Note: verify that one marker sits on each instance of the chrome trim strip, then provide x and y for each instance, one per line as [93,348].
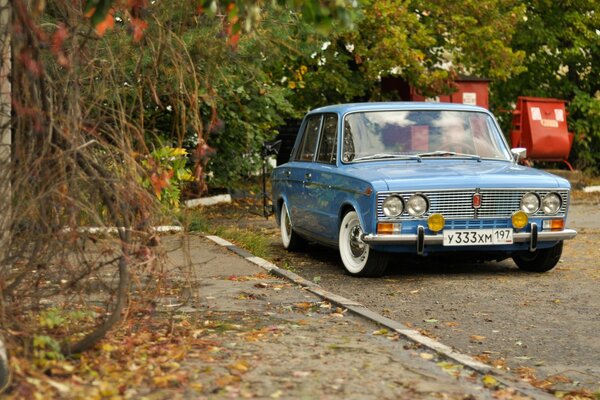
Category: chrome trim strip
[518,237]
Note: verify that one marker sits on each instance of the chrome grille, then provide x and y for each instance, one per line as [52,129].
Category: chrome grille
[458,204]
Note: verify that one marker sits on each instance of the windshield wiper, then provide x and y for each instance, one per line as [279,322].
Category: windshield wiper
[382,156]
[444,153]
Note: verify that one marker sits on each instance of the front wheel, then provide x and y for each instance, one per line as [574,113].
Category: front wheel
[357,257]
[540,260]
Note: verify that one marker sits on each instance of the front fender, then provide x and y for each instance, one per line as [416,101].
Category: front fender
[365,207]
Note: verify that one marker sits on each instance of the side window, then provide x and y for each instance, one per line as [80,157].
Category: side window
[310,137]
[328,147]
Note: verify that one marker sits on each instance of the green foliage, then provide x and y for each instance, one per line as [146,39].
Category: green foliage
[430,43]
[561,45]
[166,174]
[46,349]
[585,124]
[52,318]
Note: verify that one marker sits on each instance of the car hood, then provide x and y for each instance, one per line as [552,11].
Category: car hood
[453,174]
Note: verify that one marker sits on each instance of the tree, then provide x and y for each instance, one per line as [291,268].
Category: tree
[426,43]
[562,48]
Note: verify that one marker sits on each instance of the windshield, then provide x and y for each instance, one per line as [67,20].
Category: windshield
[391,135]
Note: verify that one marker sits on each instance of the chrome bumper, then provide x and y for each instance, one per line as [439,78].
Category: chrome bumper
[420,239]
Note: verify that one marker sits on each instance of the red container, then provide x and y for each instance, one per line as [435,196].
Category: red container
[469,90]
[540,126]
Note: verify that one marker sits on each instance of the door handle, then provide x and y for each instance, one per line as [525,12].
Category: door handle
[308,176]
[287,173]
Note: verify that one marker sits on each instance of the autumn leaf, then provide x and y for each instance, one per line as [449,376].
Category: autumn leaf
[226,380]
[139,26]
[304,305]
[450,368]
[160,181]
[379,332]
[240,367]
[490,382]
[58,38]
[476,338]
[107,23]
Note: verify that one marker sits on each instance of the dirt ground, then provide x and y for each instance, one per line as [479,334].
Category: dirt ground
[541,327]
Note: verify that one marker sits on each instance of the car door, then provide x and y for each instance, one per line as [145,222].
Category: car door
[297,173]
[319,185]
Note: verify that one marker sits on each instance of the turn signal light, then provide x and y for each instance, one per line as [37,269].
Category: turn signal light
[554,224]
[519,220]
[388,228]
[436,222]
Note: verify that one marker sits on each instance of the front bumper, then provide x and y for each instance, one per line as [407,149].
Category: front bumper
[420,239]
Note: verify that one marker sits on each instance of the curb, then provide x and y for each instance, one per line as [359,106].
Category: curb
[410,334]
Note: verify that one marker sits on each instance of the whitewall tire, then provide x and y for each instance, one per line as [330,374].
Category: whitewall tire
[358,258]
[290,239]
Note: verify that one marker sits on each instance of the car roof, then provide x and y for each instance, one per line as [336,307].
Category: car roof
[395,106]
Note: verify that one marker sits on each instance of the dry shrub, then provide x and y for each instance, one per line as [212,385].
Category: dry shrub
[73,166]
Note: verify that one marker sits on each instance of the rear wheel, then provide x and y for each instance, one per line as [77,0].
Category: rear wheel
[290,239]
[540,260]
[358,258]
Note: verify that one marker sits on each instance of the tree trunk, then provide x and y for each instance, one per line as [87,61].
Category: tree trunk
[5,156]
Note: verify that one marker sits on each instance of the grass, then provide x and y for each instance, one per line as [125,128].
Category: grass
[257,242]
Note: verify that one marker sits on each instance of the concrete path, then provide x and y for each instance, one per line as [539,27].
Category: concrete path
[288,338]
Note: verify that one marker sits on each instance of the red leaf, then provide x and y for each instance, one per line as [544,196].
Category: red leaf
[139,26]
[58,38]
[160,181]
[106,24]
[233,40]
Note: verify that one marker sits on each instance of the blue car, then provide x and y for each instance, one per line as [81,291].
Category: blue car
[379,181]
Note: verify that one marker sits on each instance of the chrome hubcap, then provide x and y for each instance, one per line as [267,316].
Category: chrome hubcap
[357,246]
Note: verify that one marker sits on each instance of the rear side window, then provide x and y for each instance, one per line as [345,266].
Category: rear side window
[328,147]
[310,138]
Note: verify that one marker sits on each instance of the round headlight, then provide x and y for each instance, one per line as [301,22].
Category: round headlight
[393,206]
[530,203]
[416,205]
[551,203]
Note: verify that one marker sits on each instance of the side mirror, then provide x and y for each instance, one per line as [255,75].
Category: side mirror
[519,153]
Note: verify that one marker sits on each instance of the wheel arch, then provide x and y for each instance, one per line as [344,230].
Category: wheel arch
[278,208]
[345,209]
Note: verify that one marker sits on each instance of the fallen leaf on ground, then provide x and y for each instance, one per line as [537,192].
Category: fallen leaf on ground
[304,306]
[226,380]
[490,382]
[476,338]
[449,368]
[300,374]
[382,331]
[240,366]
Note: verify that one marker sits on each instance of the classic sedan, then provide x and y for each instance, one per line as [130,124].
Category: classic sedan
[379,181]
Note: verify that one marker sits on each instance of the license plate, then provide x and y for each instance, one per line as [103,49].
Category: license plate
[478,237]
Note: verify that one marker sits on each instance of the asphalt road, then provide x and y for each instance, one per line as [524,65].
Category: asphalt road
[543,327]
